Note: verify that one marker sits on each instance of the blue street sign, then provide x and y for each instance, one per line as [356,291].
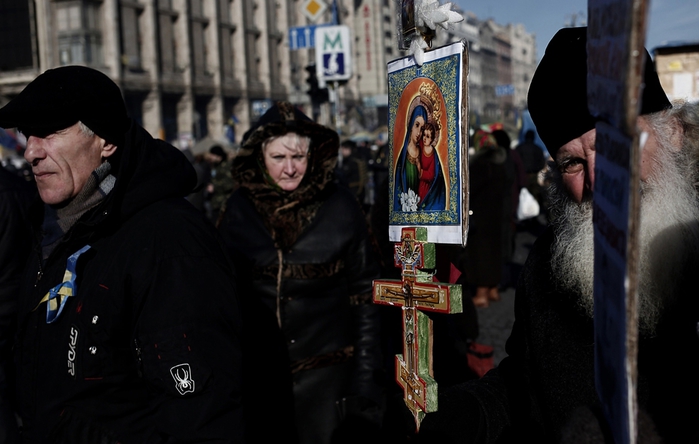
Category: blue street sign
[302,37]
[504,90]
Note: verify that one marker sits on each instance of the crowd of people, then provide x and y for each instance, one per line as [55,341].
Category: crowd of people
[152,295]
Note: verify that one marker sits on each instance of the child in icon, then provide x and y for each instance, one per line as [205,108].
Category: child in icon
[427,156]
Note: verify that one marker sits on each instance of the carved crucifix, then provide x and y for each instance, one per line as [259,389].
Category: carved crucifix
[414,293]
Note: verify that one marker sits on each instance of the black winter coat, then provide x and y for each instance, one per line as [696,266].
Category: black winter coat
[307,255]
[321,300]
[544,390]
[148,347]
[16,195]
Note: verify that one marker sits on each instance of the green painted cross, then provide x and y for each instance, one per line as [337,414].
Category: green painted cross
[414,293]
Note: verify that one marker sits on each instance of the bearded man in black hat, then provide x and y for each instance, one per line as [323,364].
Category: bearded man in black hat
[129,328]
[544,390]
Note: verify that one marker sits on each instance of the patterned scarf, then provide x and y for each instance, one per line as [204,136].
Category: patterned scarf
[57,222]
[286,214]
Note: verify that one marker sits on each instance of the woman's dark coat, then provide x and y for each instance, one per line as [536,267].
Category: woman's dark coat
[307,254]
[148,348]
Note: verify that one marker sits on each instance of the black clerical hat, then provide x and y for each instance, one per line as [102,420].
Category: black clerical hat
[557,98]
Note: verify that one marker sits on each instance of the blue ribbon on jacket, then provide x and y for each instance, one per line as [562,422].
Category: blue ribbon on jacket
[57,296]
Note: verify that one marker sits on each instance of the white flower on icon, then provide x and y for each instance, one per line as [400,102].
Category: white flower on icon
[409,201]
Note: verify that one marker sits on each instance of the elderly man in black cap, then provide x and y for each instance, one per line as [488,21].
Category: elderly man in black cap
[544,390]
[129,328]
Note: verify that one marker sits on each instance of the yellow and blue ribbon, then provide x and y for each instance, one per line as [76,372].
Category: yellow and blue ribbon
[57,296]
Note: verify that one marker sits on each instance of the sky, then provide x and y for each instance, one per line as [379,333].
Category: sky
[668,20]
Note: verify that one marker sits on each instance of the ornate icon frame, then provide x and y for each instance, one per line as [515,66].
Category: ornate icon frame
[440,86]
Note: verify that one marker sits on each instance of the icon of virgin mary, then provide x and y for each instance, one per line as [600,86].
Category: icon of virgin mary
[419,179]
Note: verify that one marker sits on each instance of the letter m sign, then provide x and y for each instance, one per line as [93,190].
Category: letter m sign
[333,54]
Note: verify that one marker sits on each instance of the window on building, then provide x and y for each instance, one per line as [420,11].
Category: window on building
[131,35]
[227,35]
[197,8]
[169,116]
[252,40]
[275,42]
[16,32]
[200,125]
[79,38]
[167,19]
[252,54]
[224,10]
[199,39]
[228,30]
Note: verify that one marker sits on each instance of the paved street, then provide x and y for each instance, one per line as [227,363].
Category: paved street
[495,322]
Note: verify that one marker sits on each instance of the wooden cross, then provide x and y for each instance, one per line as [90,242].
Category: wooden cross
[414,293]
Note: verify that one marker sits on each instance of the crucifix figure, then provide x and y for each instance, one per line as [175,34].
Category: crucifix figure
[414,293]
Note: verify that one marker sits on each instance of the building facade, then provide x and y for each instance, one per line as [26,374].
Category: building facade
[195,69]
[678,70]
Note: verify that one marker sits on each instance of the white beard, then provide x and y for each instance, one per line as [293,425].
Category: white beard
[669,238]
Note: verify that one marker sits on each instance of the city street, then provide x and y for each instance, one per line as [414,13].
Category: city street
[495,322]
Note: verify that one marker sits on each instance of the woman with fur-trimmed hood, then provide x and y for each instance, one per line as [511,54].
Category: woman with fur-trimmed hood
[302,245]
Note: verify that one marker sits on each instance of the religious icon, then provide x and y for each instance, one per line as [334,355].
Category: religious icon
[420,182]
[428,172]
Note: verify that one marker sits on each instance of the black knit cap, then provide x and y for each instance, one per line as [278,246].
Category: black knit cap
[557,98]
[61,97]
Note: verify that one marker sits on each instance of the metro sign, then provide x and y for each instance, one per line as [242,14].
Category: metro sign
[313,9]
[333,55]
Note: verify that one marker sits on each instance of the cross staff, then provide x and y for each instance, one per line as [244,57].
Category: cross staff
[414,293]
[615,60]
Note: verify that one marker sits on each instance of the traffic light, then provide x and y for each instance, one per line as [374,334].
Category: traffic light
[318,95]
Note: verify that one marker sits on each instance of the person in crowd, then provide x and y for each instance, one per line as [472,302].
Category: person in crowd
[210,192]
[222,184]
[16,194]
[534,161]
[197,197]
[482,256]
[515,179]
[544,390]
[303,244]
[128,321]
[352,171]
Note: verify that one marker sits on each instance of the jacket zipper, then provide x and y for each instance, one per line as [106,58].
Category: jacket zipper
[138,357]
[280,258]
[39,274]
